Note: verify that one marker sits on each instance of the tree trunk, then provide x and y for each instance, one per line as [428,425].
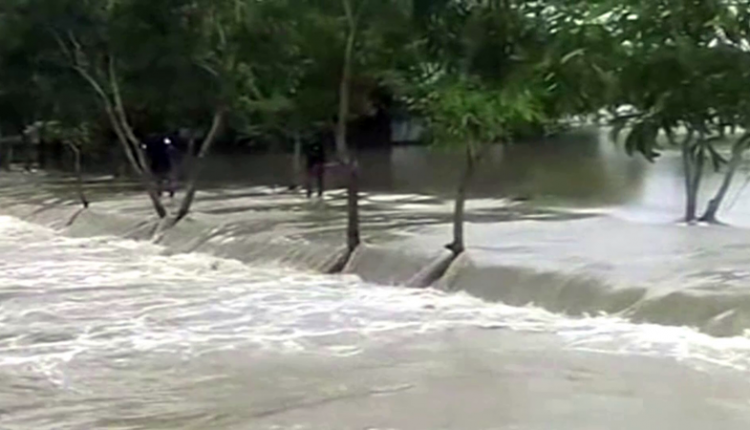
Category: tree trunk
[195,165]
[130,142]
[344,155]
[153,195]
[352,207]
[118,120]
[459,245]
[699,163]
[297,161]
[734,164]
[691,194]
[79,175]
[136,159]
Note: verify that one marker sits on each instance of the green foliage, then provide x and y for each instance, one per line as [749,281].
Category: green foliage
[461,112]
[480,75]
[677,64]
[493,67]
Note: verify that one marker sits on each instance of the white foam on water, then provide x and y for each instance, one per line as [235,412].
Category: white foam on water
[64,299]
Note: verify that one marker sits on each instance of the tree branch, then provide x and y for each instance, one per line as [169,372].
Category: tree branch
[216,124]
[74,60]
[119,107]
[194,170]
[116,114]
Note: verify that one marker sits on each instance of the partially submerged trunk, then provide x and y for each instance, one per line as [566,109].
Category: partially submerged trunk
[79,174]
[113,107]
[690,168]
[131,144]
[699,162]
[352,207]
[344,154]
[145,176]
[195,164]
[458,246]
[738,149]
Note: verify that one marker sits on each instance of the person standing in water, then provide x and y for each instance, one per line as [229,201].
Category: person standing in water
[315,156]
[159,151]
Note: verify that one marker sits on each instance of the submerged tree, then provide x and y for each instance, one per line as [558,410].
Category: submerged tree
[469,117]
[346,48]
[477,84]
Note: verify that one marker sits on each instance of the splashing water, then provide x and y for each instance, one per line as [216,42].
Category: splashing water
[76,314]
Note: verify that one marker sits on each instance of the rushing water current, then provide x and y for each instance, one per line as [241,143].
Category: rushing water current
[107,333]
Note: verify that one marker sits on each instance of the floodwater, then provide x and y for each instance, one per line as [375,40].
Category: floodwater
[112,334]
[586,307]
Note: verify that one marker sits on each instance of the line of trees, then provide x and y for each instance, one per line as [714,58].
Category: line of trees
[667,72]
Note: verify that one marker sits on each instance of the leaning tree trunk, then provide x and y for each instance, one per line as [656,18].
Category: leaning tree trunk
[458,246]
[734,164]
[698,161]
[139,164]
[195,166]
[131,144]
[79,174]
[113,106]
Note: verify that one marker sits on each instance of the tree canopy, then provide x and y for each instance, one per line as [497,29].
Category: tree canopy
[666,72]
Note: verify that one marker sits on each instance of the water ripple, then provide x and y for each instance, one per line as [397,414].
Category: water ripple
[66,300]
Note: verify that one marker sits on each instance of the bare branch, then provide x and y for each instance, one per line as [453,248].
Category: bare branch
[216,124]
[74,41]
[203,65]
[117,118]
[63,47]
[108,108]
[119,107]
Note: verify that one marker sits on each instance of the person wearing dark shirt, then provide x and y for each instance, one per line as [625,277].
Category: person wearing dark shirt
[159,152]
[315,156]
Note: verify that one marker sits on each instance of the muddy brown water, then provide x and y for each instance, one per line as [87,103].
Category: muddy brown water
[585,307]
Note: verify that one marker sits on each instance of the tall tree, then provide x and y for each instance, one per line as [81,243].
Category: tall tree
[369,39]
[477,82]
[472,117]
